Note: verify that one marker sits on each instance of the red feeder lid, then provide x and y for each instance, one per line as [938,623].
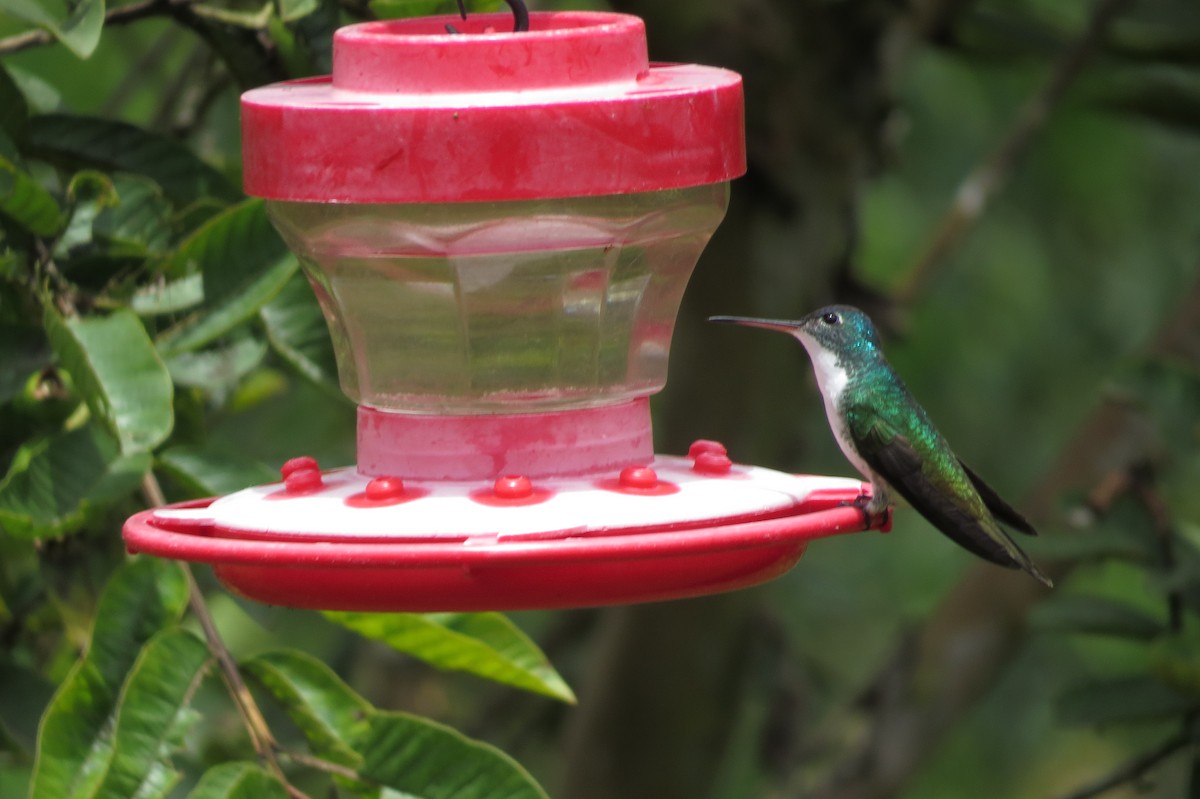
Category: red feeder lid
[570,108]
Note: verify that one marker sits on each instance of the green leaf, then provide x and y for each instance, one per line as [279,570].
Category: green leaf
[139,223]
[488,645]
[152,715]
[56,484]
[237,781]
[119,374]
[79,142]
[23,200]
[219,370]
[238,46]
[80,31]
[1097,616]
[254,20]
[324,708]
[297,331]
[144,596]
[431,761]
[314,38]
[90,193]
[205,472]
[14,111]
[40,95]
[167,297]
[291,10]
[1175,660]
[1121,700]
[1168,101]
[244,263]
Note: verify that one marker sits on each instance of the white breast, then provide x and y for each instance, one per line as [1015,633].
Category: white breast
[831,380]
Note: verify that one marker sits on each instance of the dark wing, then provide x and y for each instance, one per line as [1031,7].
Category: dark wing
[996,504]
[947,505]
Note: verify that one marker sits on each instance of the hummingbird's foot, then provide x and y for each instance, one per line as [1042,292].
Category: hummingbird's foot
[879,518]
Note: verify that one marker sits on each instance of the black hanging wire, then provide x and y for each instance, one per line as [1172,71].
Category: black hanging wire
[520,16]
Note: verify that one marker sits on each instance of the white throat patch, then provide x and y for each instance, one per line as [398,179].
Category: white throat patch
[832,379]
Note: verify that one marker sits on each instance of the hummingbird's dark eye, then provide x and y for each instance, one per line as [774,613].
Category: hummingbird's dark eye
[832,318]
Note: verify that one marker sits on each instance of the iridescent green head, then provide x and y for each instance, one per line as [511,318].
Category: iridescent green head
[840,330]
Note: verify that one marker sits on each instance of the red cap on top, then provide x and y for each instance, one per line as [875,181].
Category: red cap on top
[570,108]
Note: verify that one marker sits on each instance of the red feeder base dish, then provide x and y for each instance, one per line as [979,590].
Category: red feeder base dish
[340,541]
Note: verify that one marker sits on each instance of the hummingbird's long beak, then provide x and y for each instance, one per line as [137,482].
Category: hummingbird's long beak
[781,325]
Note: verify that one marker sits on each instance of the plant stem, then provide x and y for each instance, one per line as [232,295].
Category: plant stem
[320,764]
[256,725]
[1133,769]
[985,179]
[39,37]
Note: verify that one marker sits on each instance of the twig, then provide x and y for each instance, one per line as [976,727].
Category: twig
[1147,492]
[329,767]
[39,37]
[1133,769]
[978,187]
[256,725]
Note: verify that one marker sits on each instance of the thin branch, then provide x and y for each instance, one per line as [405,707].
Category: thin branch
[1133,769]
[977,188]
[256,725]
[121,15]
[1163,526]
[329,767]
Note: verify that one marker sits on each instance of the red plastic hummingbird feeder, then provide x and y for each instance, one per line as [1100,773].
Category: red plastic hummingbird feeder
[499,228]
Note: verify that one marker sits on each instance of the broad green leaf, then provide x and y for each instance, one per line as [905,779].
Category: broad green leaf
[1097,616]
[254,20]
[152,714]
[237,781]
[244,263]
[206,473]
[119,374]
[79,142]
[144,596]
[291,10]
[239,48]
[14,111]
[1175,659]
[56,484]
[139,223]
[41,96]
[1120,700]
[23,200]
[324,708]
[230,249]
[488,645]
[314,37]
[431,761]
[218,370]
[90,192]
[168,296]
[1167,101]
[297,331]
[80,31]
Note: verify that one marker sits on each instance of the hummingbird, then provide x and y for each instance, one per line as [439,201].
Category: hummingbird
[889,439]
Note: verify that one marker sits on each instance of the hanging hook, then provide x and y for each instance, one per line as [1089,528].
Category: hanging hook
[520,16]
